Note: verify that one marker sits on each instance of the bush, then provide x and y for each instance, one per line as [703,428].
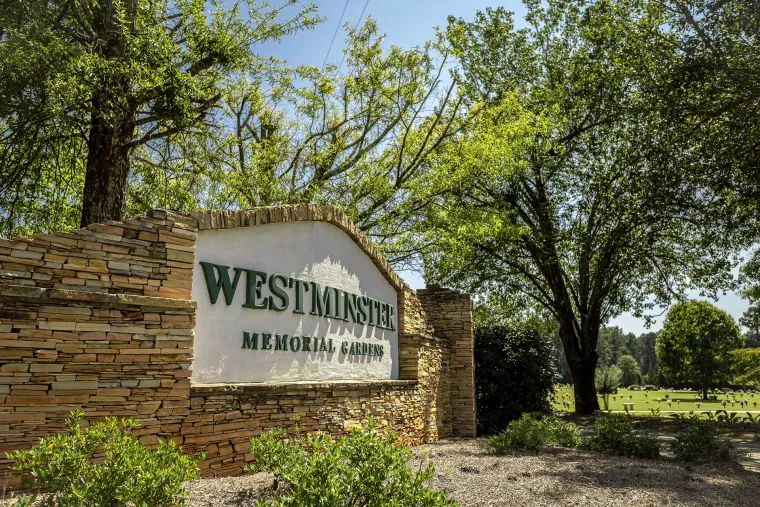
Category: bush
[514,374]
[534,432]
[607,381]
[650,387]
[363,468]
[702,442]
[613,434]
[123,472]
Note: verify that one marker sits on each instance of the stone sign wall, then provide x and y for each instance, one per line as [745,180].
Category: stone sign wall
[301,298]
[102,319]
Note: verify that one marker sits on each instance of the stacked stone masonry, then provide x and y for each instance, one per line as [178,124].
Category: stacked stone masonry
[101,319]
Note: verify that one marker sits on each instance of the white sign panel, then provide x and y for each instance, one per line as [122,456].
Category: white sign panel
[290,302]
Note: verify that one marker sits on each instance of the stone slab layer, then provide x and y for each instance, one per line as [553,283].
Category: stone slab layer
[101,319]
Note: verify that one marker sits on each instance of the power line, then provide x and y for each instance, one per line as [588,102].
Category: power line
[357,25]
[336,32]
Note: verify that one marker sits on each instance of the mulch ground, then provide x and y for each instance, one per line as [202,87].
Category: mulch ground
[559,477]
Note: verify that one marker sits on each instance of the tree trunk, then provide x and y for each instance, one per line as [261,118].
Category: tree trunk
[106,180]
[582,367]
[704,391]
[586,401]
[112,122]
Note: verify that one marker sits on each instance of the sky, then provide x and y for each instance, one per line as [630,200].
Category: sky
[409,23]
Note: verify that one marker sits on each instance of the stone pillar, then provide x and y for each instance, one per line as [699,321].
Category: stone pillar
[450,313]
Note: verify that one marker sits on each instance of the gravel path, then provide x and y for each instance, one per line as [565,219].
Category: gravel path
[557,478]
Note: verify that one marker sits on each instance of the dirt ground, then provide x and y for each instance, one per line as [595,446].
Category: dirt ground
[559,477]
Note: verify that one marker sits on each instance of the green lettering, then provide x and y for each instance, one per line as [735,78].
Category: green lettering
[361,308]
[266,343]
[336,310]
[279,292]
[321,301]
[370,312]
[349,306]
[214,284]
[306,344]
[381,351]
[344,348]
[250,341]
[364,348]
[391,312]
[300,286]
[323,345]
[280,342]
[295,343]
[253,297]
[331,347]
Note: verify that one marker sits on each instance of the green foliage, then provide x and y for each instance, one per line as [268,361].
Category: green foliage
[750,320]
[567,203]
[612,345]
[128,474]
[613,434]
[701,442]
[727,417]
[23,501]
[629,369]
[712,90]
[134,72]
[514,374]
[607,382]
[534,432]
[745,366]
[364,468]
[216,124]
[695,342]
[648,355]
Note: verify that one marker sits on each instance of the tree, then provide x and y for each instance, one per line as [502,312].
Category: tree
[612,345]
[514,374]
[745,366]
[695,342]
[630,371]
[607,381]
[85,83]
[358,139]
[648,359]
[563,190]
[750,320]
[711,90]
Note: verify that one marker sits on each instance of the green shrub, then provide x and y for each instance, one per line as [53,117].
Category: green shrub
[534,432]
[514,374]
[364,468]
[607,381]
[613,434]
[125,472]
[702,442]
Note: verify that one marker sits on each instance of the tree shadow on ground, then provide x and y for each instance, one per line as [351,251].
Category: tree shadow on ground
[672,481]
[563,477]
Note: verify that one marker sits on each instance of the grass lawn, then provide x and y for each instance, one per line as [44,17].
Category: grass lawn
[680,401]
